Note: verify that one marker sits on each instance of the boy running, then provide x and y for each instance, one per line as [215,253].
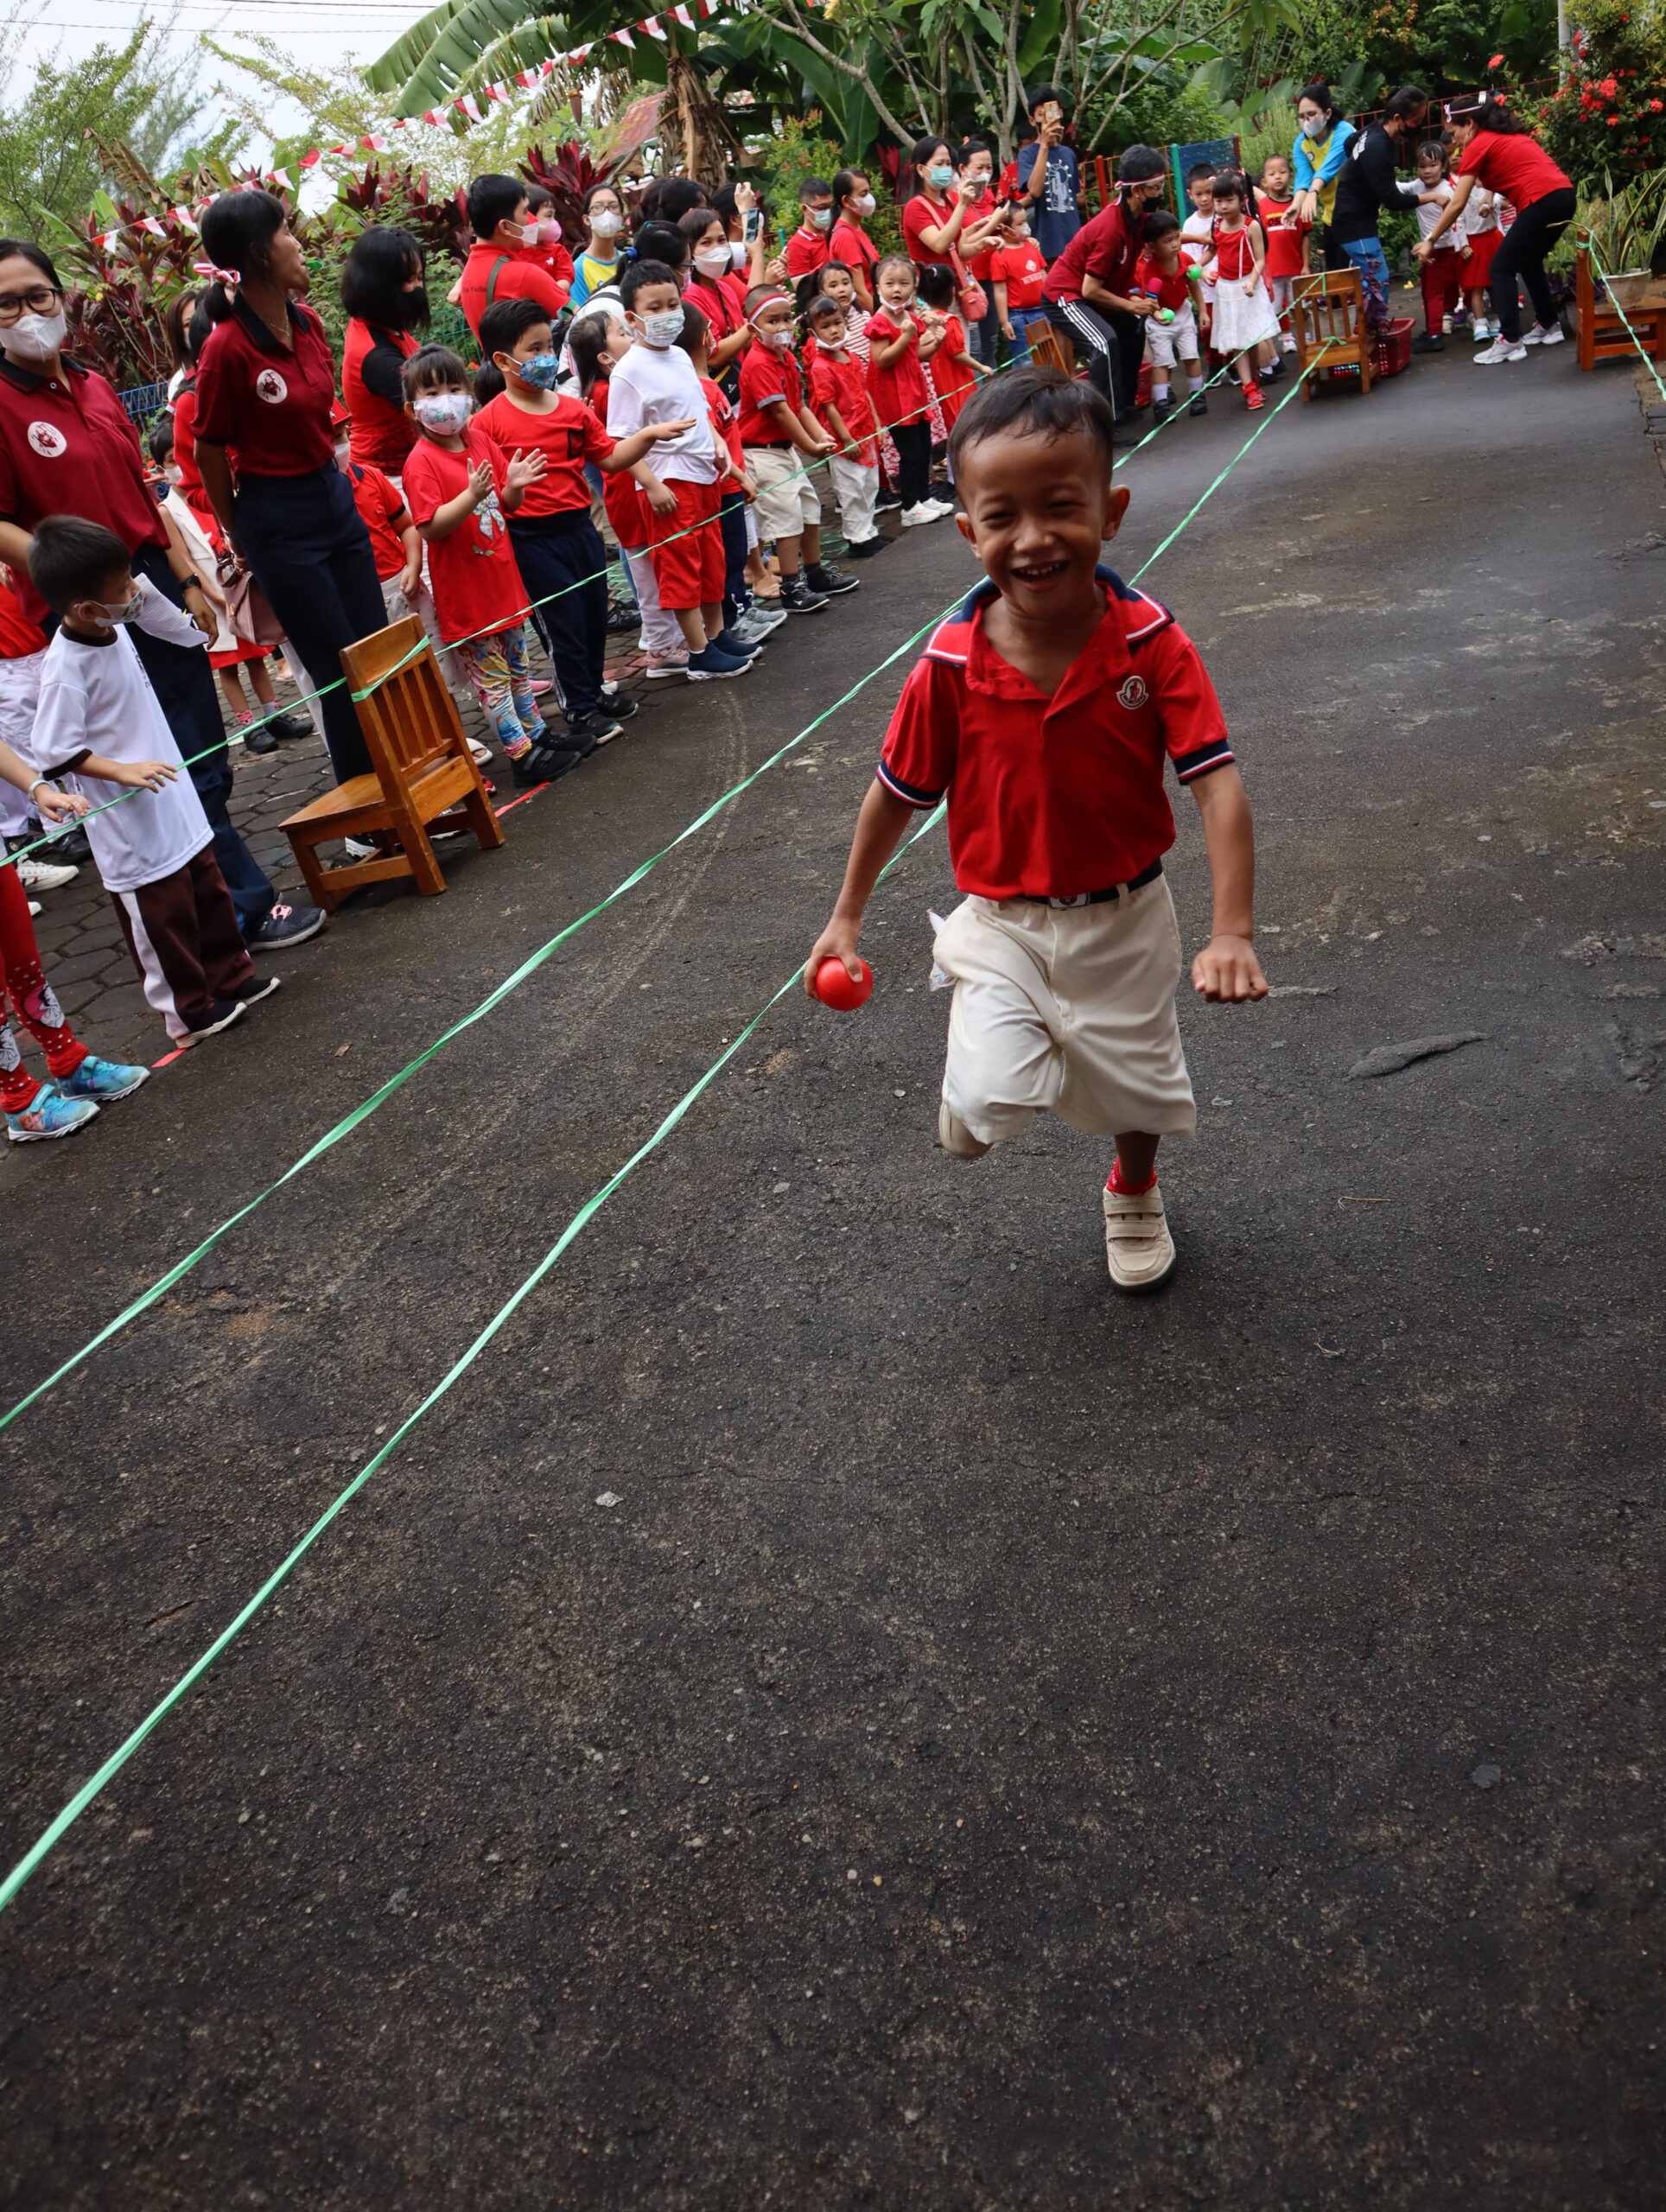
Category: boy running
[1044,711]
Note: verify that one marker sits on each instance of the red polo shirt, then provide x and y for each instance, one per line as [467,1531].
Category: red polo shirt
[567,436]
[268,405]
[371,362]
[68,448]
[806,249]
[1107,248]
[768,373]
[854,248]
[507,276]
[383,513]
[920,212]
[1049,798]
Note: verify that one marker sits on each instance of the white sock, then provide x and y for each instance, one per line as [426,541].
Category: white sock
[1159,393]
[1194,383]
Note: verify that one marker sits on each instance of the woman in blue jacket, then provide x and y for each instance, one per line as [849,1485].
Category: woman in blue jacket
[1316,158]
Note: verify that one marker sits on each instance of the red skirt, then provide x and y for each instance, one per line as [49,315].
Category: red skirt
[238,656]
[1478,270]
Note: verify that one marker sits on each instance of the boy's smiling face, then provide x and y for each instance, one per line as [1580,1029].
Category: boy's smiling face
[1036,510]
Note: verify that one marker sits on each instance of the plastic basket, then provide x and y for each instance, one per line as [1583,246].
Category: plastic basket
[1393,347]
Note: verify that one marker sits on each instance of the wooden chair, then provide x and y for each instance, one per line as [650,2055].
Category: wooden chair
[1327,314]
[421,766]
[1601,333]
[1051,349]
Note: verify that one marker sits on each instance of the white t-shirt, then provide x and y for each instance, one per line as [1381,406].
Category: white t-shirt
[1197,245]
[98,699]
[657,383]
[1429,215]
[1480,213]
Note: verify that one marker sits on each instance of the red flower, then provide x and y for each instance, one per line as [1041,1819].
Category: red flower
[1613,123]
[1609,86]
[1653,107]
[1496,62]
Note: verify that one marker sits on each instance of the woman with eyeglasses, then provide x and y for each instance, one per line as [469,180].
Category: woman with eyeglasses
[67,447]
[266,451]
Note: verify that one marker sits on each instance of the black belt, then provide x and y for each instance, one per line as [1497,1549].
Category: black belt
[1099,898]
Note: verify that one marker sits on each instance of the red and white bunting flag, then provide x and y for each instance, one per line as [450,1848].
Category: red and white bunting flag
[470,106]
[623,38]
[282,177]
[373,144]
[310,160]
[150,223]
[182,215]
[579,53]
[526,79]
[654,28]
[709,7]
[433,115]
[683,15]
[497,92]
[347,148]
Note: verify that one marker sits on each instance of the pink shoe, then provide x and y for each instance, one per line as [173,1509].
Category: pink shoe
[671,663]
[540,685]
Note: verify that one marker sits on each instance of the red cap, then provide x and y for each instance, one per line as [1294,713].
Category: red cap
[339,418]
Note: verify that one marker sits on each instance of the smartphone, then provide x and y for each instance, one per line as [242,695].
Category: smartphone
[754,223]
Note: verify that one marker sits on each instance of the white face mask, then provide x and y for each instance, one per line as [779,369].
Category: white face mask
[819,218]
[1313,126]
[866,205]
[127,610]
[342,452]
[605,224]
[777,340]
[34,337]
[714,259]
[739,253]
[444,411]
[661,329]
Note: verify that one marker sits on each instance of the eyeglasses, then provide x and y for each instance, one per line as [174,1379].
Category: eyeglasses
[40,299]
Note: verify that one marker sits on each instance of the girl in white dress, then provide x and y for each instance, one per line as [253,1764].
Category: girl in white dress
[1245,326]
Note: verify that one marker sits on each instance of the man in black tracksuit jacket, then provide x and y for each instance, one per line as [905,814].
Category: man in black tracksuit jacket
[1368,183]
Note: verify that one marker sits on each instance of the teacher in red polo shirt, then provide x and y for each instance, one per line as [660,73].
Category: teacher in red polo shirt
[68,448]
[1496,149]
[386,301]
[266,451]
[1089,288]
[497,267]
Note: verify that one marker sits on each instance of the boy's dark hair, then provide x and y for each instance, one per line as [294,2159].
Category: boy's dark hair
[492,200]
[696,327]
[1158,225]
[69,560]
[1042,94]
[812,187]
[639,275]
[760,296]
[821,303]
[1197,170]
[937,284]
[432,364]
[1032,404]
[1139,164]
[161,440]
[505,323]
[662,242]
[1025,135]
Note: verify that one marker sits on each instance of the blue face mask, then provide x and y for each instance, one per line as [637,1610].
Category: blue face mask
[940,175]
[541,369]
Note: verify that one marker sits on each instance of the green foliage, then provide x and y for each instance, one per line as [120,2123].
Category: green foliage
[1625,225]
[798,148]
[1274,130]
[1165,111]
[1362,47]
[1610,112]
[64,125]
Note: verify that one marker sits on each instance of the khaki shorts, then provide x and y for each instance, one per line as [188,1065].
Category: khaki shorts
[1067,1011]
[787,497]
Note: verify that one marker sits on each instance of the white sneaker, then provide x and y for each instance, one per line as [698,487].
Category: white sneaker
[1446,326]
[924,510]
[482,752]
[1501,350]
[1139,1250]
[44,875]
[1540,336]
[1287,344]
[670,662]
[1481,330]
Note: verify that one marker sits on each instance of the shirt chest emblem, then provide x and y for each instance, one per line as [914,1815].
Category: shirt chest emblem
[47,440]
[1132,692]
[270,387]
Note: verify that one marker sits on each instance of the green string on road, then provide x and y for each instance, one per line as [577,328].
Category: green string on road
[534,961]
[96,1783]
[1648,363]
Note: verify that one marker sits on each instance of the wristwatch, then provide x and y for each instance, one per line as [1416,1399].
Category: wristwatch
[193,581]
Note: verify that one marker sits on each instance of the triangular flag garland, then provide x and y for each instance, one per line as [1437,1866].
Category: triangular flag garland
[465,103]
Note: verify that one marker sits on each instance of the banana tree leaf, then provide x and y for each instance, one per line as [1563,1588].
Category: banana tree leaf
[1041,37]
[629,131]
[413,55]
[830,88]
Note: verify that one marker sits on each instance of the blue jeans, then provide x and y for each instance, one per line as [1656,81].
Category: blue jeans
[1366,255]
[1021,320]
[982,336]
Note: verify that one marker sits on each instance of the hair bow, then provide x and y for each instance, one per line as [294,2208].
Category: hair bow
[231,278]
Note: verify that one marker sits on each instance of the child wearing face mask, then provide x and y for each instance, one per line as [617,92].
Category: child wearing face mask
[598,264]
[901,344]
[780,440]
[1018,271]
[550,252]
[656,383]
[100,726]
[460,490]
[838,392]
[808,247]
[597,341]
[562,561]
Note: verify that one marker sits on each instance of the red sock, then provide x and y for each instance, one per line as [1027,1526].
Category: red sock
[1118,1182]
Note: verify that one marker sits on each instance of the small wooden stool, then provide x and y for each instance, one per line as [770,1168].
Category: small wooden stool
[1327,314]
[421,766]
[1602,336]
[1049,349]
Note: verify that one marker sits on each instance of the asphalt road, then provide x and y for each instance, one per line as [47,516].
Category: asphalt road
[1005,1745]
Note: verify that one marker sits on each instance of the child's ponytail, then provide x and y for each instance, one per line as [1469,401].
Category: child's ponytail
[237,235]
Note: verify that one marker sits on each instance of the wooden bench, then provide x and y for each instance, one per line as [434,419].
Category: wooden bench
[1601,335]
[421,766]
[1327,317]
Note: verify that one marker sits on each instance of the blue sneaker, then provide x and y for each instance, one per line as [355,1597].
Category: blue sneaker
[736,648]
[708,664]
[49,1116]
[102,1080]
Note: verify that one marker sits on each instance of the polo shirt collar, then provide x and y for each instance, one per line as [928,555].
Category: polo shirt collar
[255,328]
[26,379]
[1103,659]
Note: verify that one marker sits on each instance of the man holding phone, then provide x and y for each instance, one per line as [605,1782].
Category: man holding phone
[1049,174]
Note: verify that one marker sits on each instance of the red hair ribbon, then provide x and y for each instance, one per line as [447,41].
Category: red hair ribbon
[230,277]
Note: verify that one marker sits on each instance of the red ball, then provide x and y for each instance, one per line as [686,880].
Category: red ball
[833,986]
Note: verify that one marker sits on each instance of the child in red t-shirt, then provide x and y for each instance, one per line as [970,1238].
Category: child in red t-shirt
[1163,274]
[1287,239]
[951,372]
[1064,953]
[899,344]
[460,489]
[781,441]
[1018,271]
[838,393]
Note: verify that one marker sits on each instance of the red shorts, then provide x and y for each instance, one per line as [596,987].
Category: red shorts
[688,561]
[1478,270]
[1442,285]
